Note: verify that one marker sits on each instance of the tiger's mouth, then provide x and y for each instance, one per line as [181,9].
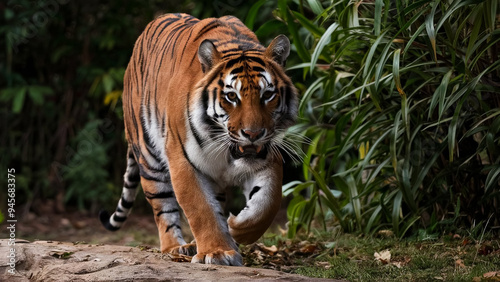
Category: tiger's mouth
[249,152]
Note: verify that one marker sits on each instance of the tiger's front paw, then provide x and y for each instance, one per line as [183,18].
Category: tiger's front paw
[187,249]
[219,257]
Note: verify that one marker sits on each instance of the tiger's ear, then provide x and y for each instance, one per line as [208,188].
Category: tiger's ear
[279,49]
[208,55]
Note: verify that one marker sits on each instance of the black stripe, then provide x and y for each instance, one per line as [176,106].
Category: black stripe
[172,41]
[169,211]
[254,190]
[237,70]
[256,59]
[163,126]
[130,153]
[196,134]
[172,226]
[160,195]
[231,52]
[119,218]
[185,45]
[104,218]
[233,62]
[168,22]
[126,204]
[133,177]
[118,209]
[164,177]
[186,155]
[154,154]
[130,185]
[258,69]
[237,51]
[220,197]
[136,149]
[211,25]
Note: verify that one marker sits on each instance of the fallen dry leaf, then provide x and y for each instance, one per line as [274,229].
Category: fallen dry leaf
[400,262]
[460,263]
[308,249]
[492,275]
[269,250]
[384,256]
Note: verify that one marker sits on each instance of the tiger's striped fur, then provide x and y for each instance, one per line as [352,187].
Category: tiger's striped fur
[205,109]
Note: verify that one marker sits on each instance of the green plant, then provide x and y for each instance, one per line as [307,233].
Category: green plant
[401,101]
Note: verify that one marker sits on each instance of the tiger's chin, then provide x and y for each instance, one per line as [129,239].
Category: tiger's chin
[249,152]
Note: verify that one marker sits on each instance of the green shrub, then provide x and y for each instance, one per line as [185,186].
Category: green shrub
[401,100]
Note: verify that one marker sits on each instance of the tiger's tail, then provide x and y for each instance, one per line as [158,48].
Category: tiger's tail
[131,181]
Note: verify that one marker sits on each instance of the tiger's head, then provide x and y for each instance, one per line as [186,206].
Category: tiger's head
[247,100]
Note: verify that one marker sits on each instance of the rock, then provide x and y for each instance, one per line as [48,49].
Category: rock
[58,261]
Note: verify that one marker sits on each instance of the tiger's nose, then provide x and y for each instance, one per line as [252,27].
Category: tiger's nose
[253,135]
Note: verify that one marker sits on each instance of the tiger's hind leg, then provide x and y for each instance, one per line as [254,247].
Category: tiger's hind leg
[160,195]
[130,182]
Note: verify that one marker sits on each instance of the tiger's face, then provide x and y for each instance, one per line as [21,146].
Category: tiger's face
[249,102]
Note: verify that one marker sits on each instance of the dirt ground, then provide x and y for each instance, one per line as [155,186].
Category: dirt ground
[140,229]
[96,254]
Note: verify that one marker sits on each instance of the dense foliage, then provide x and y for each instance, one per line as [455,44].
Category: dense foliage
[400,101]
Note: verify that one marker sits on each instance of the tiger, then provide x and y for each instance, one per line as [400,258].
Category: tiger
[206,108]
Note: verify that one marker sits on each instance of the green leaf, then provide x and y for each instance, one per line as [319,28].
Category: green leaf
[367,65]
[395,71]
[315,6]
[309,92]
[271,28]
[439,95]
[377,16]
[331,202]
[396,210]
[307,24]
[107,83]
[18,100]
[293,28]
[252,14]
[492,179]
[38,93]
[323,41]
[431,32]
[473,42]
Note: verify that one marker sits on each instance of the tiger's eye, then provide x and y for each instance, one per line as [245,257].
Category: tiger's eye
[267,95]
[231,97]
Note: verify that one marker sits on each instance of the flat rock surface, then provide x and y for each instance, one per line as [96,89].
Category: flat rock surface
[59,261]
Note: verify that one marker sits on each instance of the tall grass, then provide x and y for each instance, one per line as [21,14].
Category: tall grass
[401,100]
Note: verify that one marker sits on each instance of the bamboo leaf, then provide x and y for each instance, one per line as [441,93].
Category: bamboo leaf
[294,31]
[439,96]
[252,13]
[377,16]
[396,211]
[323,41]
[429,26]
[395,71]
[367,65]
[315,6]
[492,179]
[307,24]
